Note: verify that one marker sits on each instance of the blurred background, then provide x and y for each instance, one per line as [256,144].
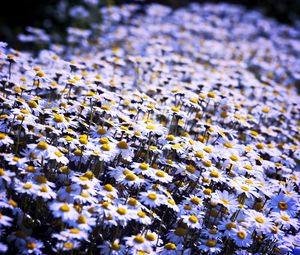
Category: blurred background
[15,16]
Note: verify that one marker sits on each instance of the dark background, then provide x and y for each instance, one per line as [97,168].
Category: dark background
[16,15]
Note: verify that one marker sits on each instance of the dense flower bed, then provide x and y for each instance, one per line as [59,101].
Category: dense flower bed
[155,132]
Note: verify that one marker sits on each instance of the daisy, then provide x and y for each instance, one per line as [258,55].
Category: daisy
[112,248]
[130,179]
[169,249]
[26,188]
[123,215]
[229,201]
[58,121]
[258,221]
[74,233]
[177,235]
[5,220]
[228,227]
[242,237]
[41,149]
[142,218]
[64,211]
[244,188]
[138,243]
[143,168]
[161,176]
[45,192]
[211,246]
[151,198]
[59,157]
[192,221]
[124,150]
[282,202]
[5,176]
[5,140]
[67,245]
[284,219]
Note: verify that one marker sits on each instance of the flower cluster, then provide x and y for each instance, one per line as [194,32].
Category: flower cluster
[173,132]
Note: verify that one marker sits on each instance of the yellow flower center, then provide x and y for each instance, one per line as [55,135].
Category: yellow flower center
[230,225]
[150,127]
[81,220]
[207,163]
[193,219]
[42,146]
[207,149]
[121,211]
[175,109]
[74,231]
[199,154]
[245,188]
[190,168]
[170,246]
[58,118]
[108,187]
[130,177]
[85,195]
[32,104]
[101,131]
[69,138]
[122,145]
[44,189]
[187,207]
[40,179]
[150,237]
[30,245]
[68,245]
[170,138]
[171,201]
[2,136]
[104,140]
[260,146]
[259,220]
[242,234]
[132,201]
[211,243]
[248,167]
[152,196]
[274,229]
[207,191]
[78,153]
[65,208]
[228,145]
[285,218]
[141,214]
[225,202]
[31,169]
[105,107]
[83,139]
[144,166]
[115,246]
[180,231]
[160,174]
[211,94]
[139,239]
[195,200]
[214,174]
[58,154]
[234,158]
[27,186]
[283,206]
[105,147]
